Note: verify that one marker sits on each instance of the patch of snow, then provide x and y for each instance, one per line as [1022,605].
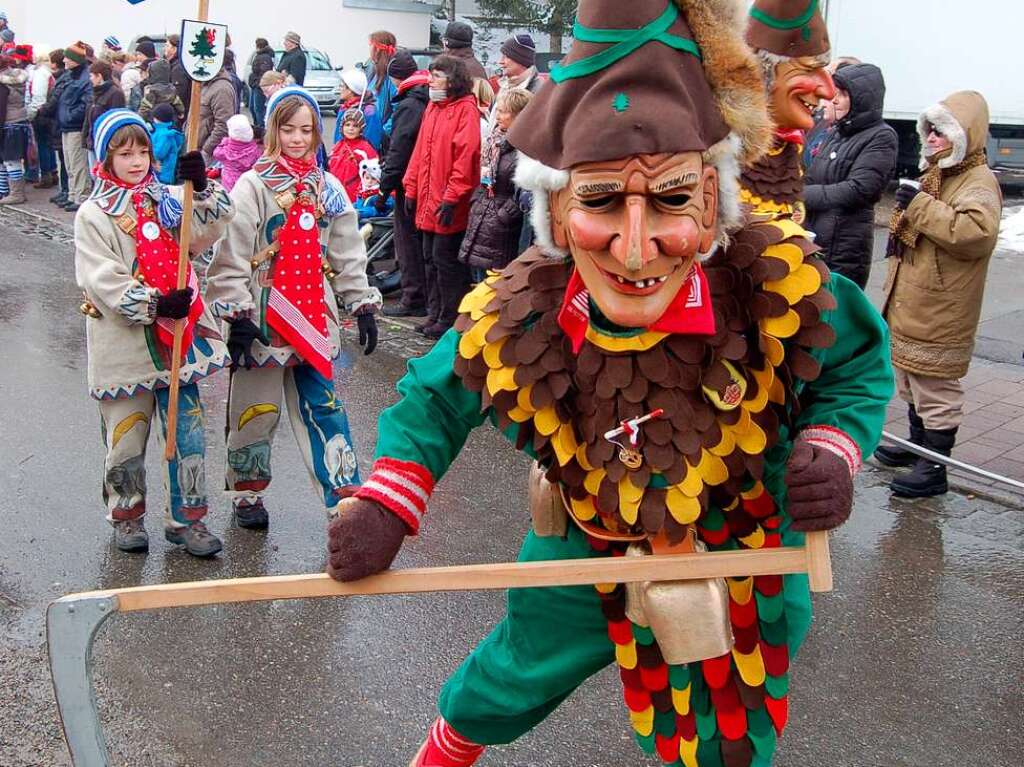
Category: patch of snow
[1011,230]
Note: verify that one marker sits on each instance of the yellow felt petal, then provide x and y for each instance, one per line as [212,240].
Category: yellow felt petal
[800,283]
[751,666]
[789,228]
[469,347]
[684,509]
[502,379]
[788,252]
[581,458]
[777,393]
[752,441]
[755,492]
[773,350]
[629,500]
[593,481]
[605,588]
[519,415]
[693,483]
[782,327]
[727,444]
[545,420]
[477,334]
[492,353]
[625,656]
[688,752]
[584,510]
[741,589]
[755,540]
[476,299]
[712,469]
[759,401]
[565,445]
[681,700]
[523,399]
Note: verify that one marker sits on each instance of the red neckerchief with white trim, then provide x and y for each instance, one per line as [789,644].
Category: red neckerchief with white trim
[690,312]
[296,307]
[157,253]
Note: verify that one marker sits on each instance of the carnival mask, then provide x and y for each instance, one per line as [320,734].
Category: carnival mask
[800,84]
[634,227]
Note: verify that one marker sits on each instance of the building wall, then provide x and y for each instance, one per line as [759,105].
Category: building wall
[339,27]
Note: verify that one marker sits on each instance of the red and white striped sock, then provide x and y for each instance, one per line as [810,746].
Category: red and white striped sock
[446,748]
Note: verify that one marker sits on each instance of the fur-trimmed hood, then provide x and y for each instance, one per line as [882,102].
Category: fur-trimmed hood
[963,118]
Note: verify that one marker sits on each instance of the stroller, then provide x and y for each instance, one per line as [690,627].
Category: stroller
[381,262]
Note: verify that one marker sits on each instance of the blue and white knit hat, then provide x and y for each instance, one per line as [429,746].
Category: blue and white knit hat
[112,43]
[111,122]
[295,90]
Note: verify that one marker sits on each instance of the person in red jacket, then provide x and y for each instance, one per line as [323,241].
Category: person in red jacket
[439,183]
[350,152]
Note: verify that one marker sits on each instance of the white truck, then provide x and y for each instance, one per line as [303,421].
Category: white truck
[927,49]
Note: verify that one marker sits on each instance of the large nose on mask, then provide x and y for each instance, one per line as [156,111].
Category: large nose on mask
[826,89]
[633,244]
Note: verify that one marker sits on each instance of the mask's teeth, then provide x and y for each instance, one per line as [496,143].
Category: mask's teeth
[663,279]
[621,280]
[640,284]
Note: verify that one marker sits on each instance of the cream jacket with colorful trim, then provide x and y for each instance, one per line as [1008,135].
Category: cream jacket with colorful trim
[241,275]
[124,354]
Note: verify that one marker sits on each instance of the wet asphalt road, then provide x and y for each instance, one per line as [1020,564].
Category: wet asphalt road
[915,660]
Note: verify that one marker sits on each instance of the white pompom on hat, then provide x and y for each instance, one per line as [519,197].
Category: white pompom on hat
[239,128]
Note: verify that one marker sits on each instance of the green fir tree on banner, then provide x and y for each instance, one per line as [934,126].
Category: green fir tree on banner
[204,48]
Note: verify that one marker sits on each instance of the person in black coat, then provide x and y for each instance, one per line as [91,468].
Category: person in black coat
[262,62]
[849,172]
[293,62]
[409,105]
[179,78]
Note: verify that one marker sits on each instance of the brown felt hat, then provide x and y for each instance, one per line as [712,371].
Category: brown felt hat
[791,28]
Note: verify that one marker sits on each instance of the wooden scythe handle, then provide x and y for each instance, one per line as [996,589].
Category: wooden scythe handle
[576,572]
[184,243]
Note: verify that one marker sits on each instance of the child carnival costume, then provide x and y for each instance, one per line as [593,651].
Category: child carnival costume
[678,387]
[293,247]
[126,261]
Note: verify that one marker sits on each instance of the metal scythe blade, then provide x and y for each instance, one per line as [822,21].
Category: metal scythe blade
[73,621]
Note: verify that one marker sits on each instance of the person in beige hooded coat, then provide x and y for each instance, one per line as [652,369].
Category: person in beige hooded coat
[943,235]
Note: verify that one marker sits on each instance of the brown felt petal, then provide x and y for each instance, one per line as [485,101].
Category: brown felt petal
[737,753]
[803,365]
[820,336]
[652,510]
[687,348]
[660,457]
[777,268]
[658,431]
[637,389]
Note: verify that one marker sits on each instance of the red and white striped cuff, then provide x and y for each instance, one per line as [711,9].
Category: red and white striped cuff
[835,440]
[402,487]
[455,750]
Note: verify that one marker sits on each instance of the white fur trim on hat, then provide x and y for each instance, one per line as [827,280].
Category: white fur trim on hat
[542,180]
[940,116]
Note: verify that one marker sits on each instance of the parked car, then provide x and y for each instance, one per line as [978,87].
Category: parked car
[322,79]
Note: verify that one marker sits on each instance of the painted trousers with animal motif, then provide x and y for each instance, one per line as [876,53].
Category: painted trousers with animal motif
[319,423]
[125,426]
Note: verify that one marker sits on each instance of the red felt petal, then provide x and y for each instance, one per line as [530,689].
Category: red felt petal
[732,723]
[668,748]
[760,507]
[636,700]
[631,678]
[620,632]
[686,726]
[714,537]
[742,615]
[768,585]
[746,637]
[717,670]
[776,659]
[655,679]
[778,710]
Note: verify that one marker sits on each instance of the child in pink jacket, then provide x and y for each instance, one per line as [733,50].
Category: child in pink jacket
[238,152]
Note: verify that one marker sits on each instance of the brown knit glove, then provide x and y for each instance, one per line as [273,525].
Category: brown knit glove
[362,540]
[820,488]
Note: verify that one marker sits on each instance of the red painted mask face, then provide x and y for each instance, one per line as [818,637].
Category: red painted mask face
[634,227]
[800,84]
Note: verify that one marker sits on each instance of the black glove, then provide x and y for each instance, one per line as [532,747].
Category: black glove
[380,202]
[820,488]
[410,207]
[367,332]
[362,540]
[175,305]
[446,213]
[192,167]
[905,195]
[243,332]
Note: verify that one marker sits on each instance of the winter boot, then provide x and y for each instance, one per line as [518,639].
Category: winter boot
[896,457]
[46,181]
[130,535]
[60,198]
[927,478]
[446,748]
[17,195]
[251,516]
[197,540]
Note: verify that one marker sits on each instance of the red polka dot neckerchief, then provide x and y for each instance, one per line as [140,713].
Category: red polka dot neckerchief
[296,307]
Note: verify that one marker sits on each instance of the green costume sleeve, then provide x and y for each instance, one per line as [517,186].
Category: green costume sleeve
[430,423]
[856,381]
